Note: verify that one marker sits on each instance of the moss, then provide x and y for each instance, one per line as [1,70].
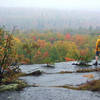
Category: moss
[15,85]
[12,82]
[21,84]
[8,87]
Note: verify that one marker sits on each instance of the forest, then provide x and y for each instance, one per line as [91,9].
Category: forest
[48,47]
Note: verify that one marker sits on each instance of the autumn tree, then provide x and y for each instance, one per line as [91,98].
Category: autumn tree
[29,47]
[7,51]
[84,56]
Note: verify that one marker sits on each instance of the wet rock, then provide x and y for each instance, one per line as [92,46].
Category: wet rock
[35,73]
[49,66]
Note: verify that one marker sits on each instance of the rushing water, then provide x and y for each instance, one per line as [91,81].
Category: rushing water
[47,81]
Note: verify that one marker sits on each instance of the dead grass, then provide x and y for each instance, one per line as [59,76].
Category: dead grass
[88,70]
[92,86]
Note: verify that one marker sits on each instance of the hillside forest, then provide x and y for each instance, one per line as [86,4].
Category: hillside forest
[37,48]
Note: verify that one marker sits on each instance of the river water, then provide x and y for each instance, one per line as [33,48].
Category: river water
[47,82]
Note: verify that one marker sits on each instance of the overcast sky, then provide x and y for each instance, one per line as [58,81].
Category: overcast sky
[61,4]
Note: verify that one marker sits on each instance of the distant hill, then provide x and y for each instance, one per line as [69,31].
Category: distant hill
[49,19]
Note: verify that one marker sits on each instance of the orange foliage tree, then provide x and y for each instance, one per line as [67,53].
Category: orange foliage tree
[84,56]
[7,51]
[28,48]
[59,46]
[68,36]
